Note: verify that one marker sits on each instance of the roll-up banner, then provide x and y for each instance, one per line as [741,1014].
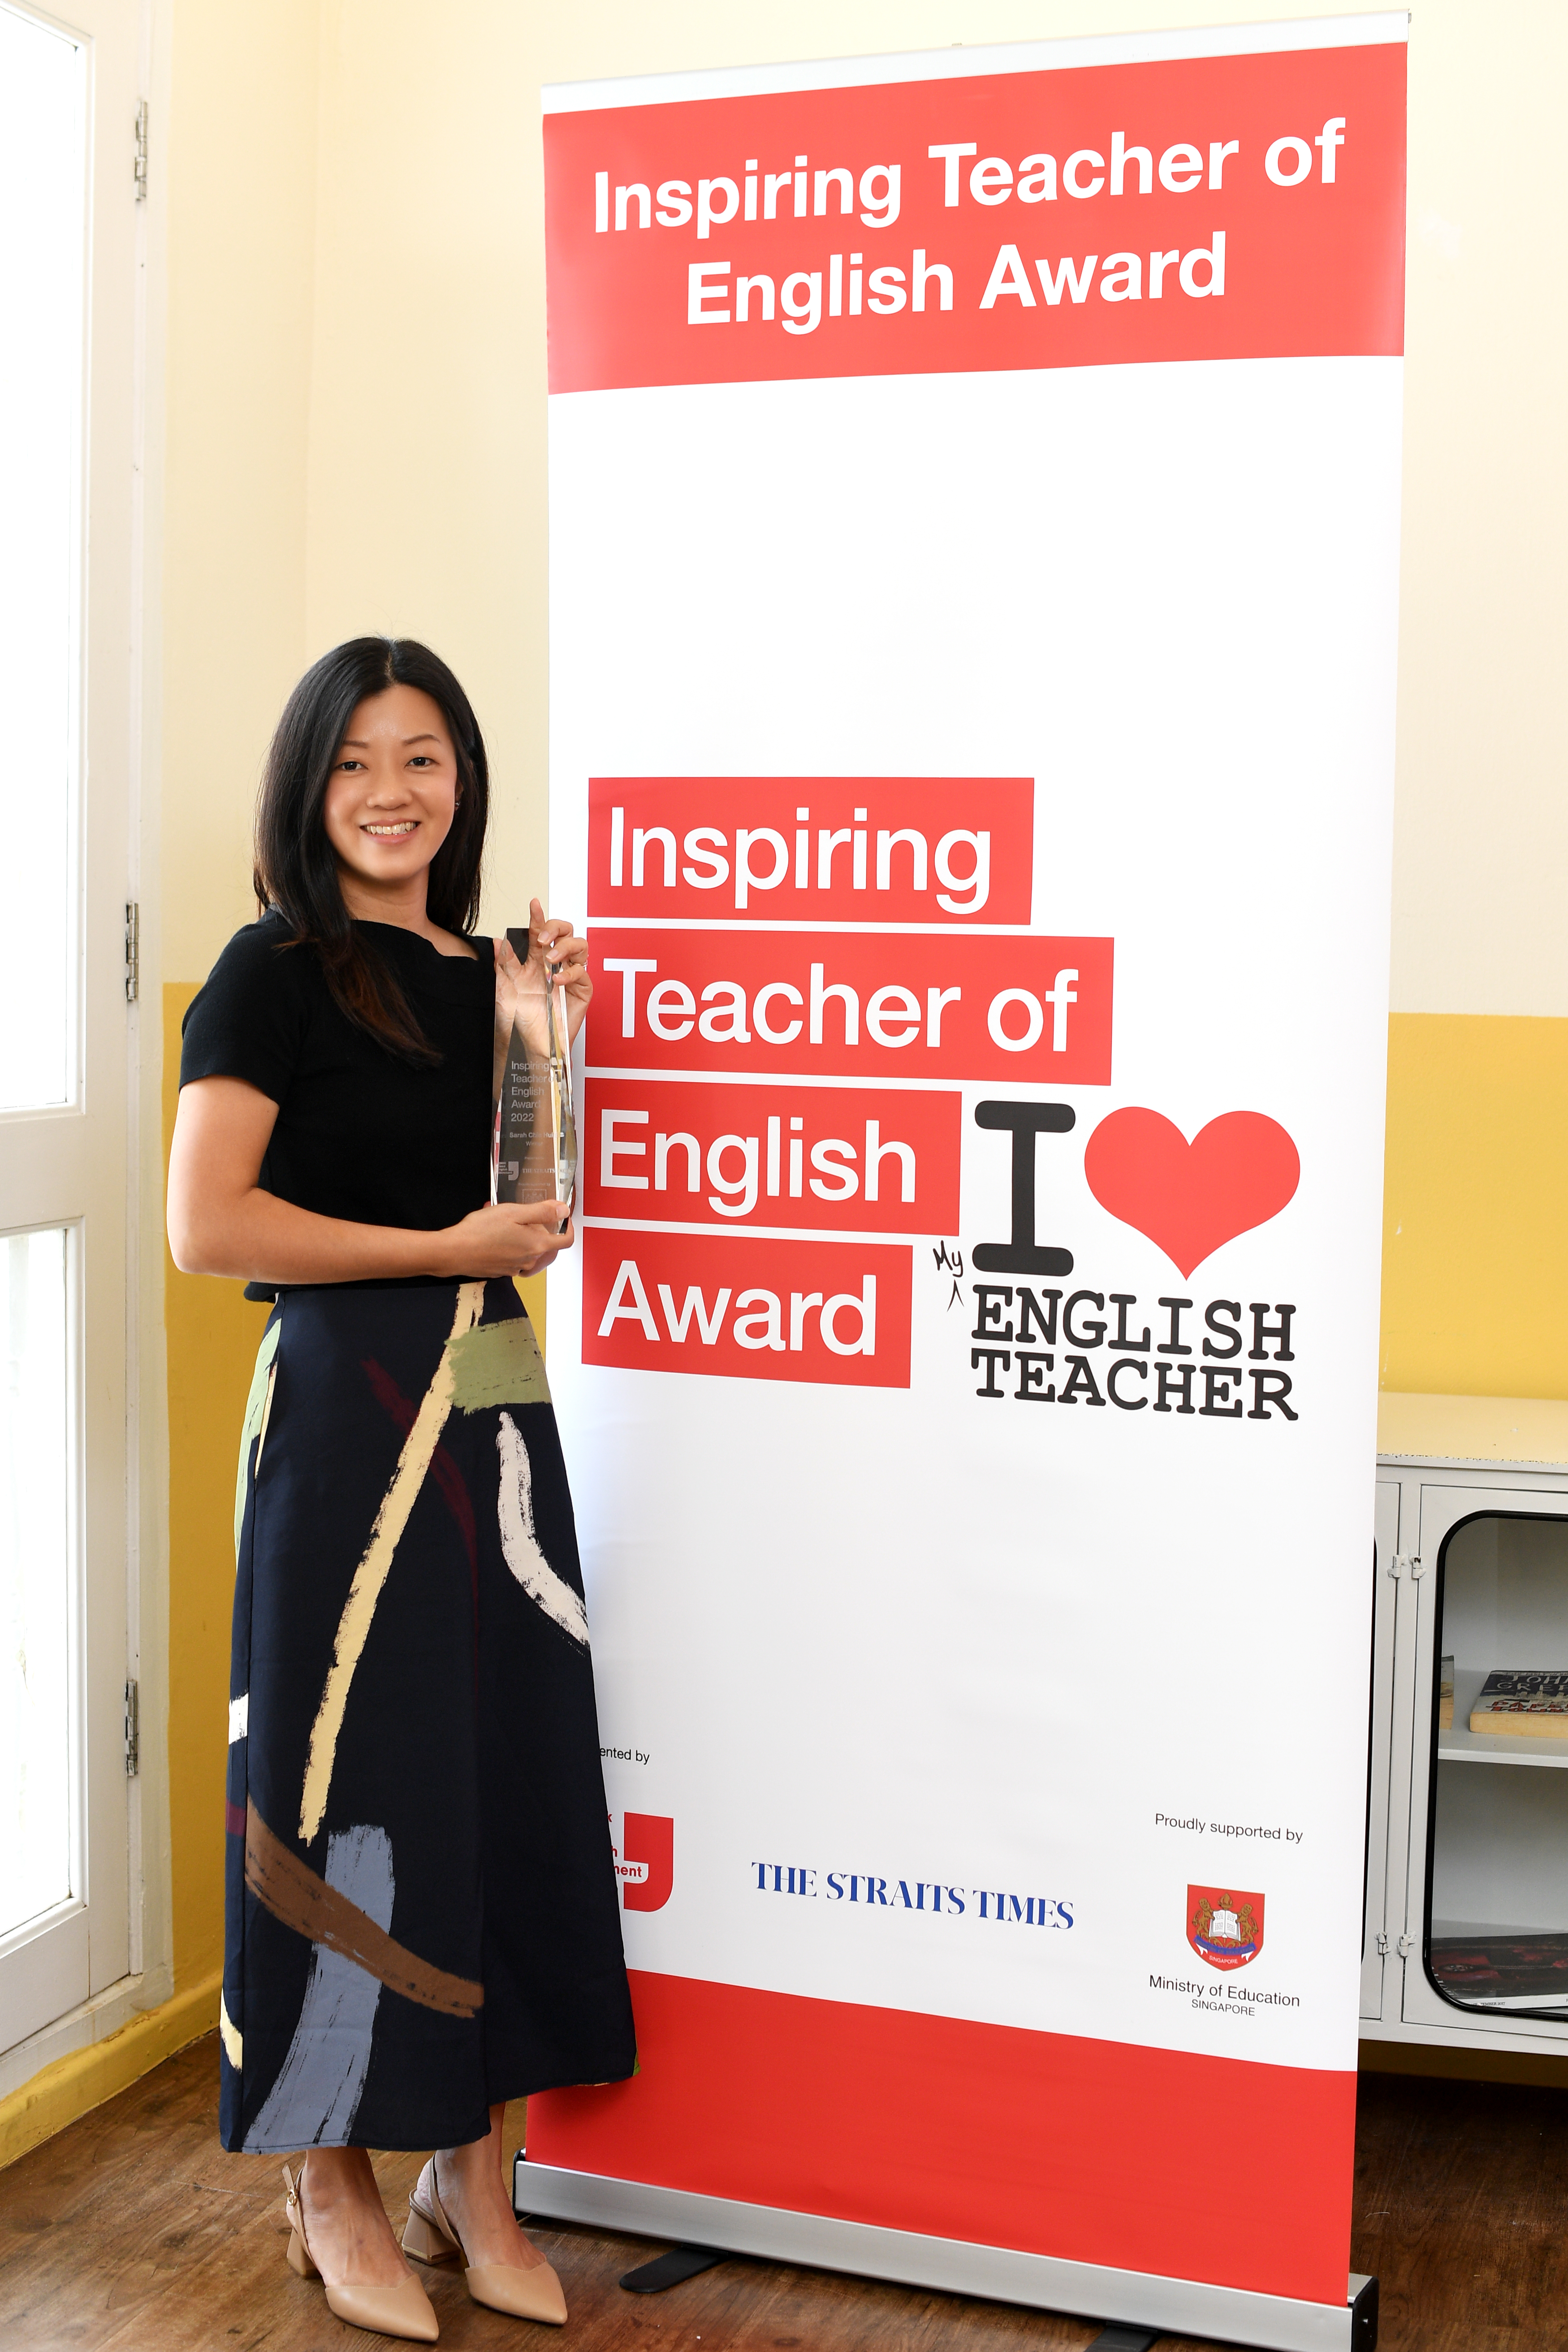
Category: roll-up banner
[973,544]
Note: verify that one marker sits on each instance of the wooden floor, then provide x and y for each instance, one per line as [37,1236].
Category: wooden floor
[133,2232]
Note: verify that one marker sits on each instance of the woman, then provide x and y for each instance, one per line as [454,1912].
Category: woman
[422,1911]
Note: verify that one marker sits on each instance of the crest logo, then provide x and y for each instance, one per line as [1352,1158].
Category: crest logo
[1225,1927]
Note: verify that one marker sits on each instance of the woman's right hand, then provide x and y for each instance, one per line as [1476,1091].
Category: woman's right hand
[510,1238]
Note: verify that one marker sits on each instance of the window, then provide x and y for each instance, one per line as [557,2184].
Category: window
[43,177]
[69,287]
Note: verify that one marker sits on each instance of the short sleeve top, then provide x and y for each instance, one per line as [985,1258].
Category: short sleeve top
[361,1133]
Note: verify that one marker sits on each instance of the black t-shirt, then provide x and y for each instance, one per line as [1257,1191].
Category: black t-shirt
[361,1133]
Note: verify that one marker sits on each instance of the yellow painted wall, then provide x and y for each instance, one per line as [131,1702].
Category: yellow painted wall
[212,1332]
[1474,1251]
[1475,1301]
[237,152]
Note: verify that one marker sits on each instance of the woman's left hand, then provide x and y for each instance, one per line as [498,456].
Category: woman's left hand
[554,948]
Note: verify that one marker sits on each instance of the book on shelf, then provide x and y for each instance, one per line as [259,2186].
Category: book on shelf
[1445,1696]
[1522,1705]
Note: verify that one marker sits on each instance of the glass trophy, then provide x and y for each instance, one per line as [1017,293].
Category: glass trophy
[534,1149]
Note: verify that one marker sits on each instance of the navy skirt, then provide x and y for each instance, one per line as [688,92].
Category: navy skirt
[421,1912]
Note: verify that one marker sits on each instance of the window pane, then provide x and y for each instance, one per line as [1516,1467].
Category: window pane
[41,291]
[34,1578]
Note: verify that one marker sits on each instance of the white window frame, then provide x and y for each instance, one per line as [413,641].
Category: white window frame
[87,1969]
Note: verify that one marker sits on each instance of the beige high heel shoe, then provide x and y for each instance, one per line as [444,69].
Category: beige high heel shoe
[401,2310]
[429,2237]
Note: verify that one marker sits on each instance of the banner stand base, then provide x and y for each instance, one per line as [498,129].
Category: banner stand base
[682,2263]
[1269,2323]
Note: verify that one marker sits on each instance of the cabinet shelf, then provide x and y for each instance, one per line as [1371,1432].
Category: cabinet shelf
[1467,1747]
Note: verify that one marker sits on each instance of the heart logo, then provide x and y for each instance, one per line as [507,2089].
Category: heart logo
[1191,1198]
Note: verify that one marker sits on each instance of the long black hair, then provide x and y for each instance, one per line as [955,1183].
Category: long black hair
[296,867]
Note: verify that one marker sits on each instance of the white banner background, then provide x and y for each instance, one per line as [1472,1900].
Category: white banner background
[916,1633]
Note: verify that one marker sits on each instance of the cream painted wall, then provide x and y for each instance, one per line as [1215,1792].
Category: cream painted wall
[239,154]
[427,445]
[1481,839]
[357,413]
[356,390]
[352,363]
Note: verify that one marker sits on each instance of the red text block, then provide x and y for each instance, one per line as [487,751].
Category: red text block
[906,1005]
[1192,208]
[823,1157]
[833,1313]
[850,850]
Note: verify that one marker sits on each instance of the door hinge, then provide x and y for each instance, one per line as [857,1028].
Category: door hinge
[133,1730]
[141,152]
[1404,1946]
[1383,1944]
[132,950]
[1405,1564]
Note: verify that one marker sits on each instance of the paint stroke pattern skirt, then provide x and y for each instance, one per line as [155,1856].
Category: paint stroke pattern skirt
[422,1910]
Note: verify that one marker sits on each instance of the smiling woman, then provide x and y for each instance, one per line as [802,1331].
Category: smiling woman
[374,805]
[407,1946]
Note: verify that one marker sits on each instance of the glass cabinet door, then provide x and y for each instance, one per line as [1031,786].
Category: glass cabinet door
[1492,1713]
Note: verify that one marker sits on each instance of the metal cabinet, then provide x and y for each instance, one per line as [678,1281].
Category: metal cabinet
[1467,1872]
